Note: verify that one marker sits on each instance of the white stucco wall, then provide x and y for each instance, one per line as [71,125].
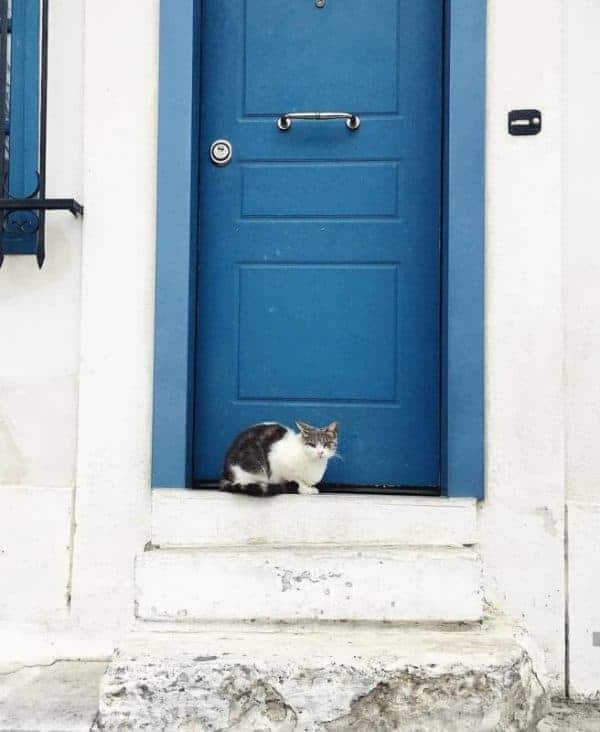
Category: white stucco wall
[522,515]
[112,508]
[75,375]
[582,302]
[39,323]
[98,281]
[39,310]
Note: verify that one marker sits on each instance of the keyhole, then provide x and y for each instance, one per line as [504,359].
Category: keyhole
[320,3]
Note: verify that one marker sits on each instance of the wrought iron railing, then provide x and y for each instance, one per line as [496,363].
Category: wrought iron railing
[23,130]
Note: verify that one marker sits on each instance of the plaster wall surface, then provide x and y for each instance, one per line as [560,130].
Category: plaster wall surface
[34,553]
[582,302]
[76,372]
[521,518]
[39,309]
[39,323]
[112,507]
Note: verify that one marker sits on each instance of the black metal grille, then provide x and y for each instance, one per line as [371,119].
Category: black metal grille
[23,216]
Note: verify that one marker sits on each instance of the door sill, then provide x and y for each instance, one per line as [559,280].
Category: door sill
[210,518]
[377,490]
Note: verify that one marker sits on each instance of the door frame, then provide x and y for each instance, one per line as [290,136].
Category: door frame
[463,243]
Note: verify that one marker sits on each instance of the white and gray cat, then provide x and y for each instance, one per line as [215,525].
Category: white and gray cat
[266,458]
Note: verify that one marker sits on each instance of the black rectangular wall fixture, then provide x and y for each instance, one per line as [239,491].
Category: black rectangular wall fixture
[524,122]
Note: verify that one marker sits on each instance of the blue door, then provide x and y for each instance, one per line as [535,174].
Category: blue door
[319,258]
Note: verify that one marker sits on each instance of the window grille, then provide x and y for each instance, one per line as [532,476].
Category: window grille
[23,109]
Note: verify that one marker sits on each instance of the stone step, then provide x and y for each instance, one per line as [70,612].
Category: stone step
[333,679]
[211,518]
[309,583]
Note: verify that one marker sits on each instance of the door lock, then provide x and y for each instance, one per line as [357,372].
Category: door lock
[221,152]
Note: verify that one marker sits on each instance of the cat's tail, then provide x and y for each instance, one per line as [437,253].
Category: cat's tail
[254,489]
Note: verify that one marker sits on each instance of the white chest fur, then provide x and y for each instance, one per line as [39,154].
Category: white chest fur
[290,462]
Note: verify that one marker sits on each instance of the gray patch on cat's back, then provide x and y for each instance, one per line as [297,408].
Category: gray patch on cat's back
[250,449]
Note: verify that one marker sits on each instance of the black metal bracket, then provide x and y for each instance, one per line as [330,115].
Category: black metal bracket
[38,204]
[26,216]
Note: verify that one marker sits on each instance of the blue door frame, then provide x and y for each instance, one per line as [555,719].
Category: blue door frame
[178,231]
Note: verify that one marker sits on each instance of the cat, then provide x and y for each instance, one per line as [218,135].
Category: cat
[266,458]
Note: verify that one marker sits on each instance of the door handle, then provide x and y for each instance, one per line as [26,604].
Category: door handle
[285,121]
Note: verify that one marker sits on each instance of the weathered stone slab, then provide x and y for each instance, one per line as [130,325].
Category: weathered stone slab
[331,680]
[571,717]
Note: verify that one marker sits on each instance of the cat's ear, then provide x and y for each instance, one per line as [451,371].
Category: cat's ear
[303,427]
[333,428]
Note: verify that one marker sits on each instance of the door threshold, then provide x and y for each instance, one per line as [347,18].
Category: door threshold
[378,490]
[214,518]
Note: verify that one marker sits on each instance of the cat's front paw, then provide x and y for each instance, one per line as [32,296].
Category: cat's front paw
[307,490]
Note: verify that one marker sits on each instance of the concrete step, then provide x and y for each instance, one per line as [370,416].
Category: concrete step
[334,679]
[396,584]
[184,518]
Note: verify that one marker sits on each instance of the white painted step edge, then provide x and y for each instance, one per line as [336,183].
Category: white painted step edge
[210,518]
[283,585]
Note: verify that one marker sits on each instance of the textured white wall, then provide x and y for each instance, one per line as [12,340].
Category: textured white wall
[112,509]
[39,310]
[39,323]
[582,298]
[522,515]
[75,377]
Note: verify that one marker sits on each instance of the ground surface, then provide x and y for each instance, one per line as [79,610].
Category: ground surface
[60,697]
[63,697]
[572,718]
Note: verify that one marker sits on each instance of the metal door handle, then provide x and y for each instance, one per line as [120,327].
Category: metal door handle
[285,121]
